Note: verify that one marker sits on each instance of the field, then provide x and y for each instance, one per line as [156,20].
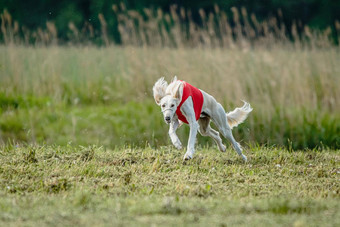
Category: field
[82,141]
[68,186]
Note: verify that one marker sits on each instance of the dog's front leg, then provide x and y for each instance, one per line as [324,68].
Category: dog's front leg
[192,139]
[172,133]
[188,111]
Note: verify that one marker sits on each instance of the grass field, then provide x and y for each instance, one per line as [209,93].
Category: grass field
[71,185]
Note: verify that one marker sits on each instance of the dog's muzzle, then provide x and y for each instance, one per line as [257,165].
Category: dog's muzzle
[167,119]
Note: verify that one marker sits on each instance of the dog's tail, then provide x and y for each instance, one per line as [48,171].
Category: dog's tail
[238,115]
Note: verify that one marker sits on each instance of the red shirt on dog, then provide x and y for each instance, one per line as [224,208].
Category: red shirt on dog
[197,98]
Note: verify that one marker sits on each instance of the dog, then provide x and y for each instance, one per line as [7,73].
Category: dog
[181,102]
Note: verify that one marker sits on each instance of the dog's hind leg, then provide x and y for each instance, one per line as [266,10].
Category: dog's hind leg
[219,118]
[235,144]
[206,130]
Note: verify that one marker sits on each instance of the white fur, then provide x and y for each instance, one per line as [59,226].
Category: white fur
[159,89]
[170,96]
[238,115]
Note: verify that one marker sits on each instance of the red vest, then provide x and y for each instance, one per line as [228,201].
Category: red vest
[197,98]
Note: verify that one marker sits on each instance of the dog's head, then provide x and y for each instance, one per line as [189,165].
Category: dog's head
[168,97]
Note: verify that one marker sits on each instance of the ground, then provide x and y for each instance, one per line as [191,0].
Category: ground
[74,185]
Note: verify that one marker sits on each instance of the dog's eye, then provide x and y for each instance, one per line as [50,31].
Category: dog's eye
[172,105]
[163,105]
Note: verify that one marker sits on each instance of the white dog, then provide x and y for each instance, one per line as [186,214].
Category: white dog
[183,103]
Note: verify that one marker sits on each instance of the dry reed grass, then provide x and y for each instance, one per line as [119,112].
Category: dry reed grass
[271,78]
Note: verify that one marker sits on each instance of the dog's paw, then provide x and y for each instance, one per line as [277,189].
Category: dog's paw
[223,148]
[244,157]
[178,145]
[187,156]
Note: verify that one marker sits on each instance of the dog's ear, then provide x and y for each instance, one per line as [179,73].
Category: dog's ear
[159,90]
[174,79]
[177,91]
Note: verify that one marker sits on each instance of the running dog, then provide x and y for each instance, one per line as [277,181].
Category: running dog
[183,103]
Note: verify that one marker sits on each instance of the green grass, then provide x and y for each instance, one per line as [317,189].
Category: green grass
[141,124]
[74,185]
[112,126]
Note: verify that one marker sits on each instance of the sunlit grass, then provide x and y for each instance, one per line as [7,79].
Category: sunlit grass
[93,185]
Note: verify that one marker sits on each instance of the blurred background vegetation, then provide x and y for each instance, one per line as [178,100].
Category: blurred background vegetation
[82,72]
[90,20]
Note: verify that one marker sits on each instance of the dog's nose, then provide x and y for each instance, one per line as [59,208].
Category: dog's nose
[167,118]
